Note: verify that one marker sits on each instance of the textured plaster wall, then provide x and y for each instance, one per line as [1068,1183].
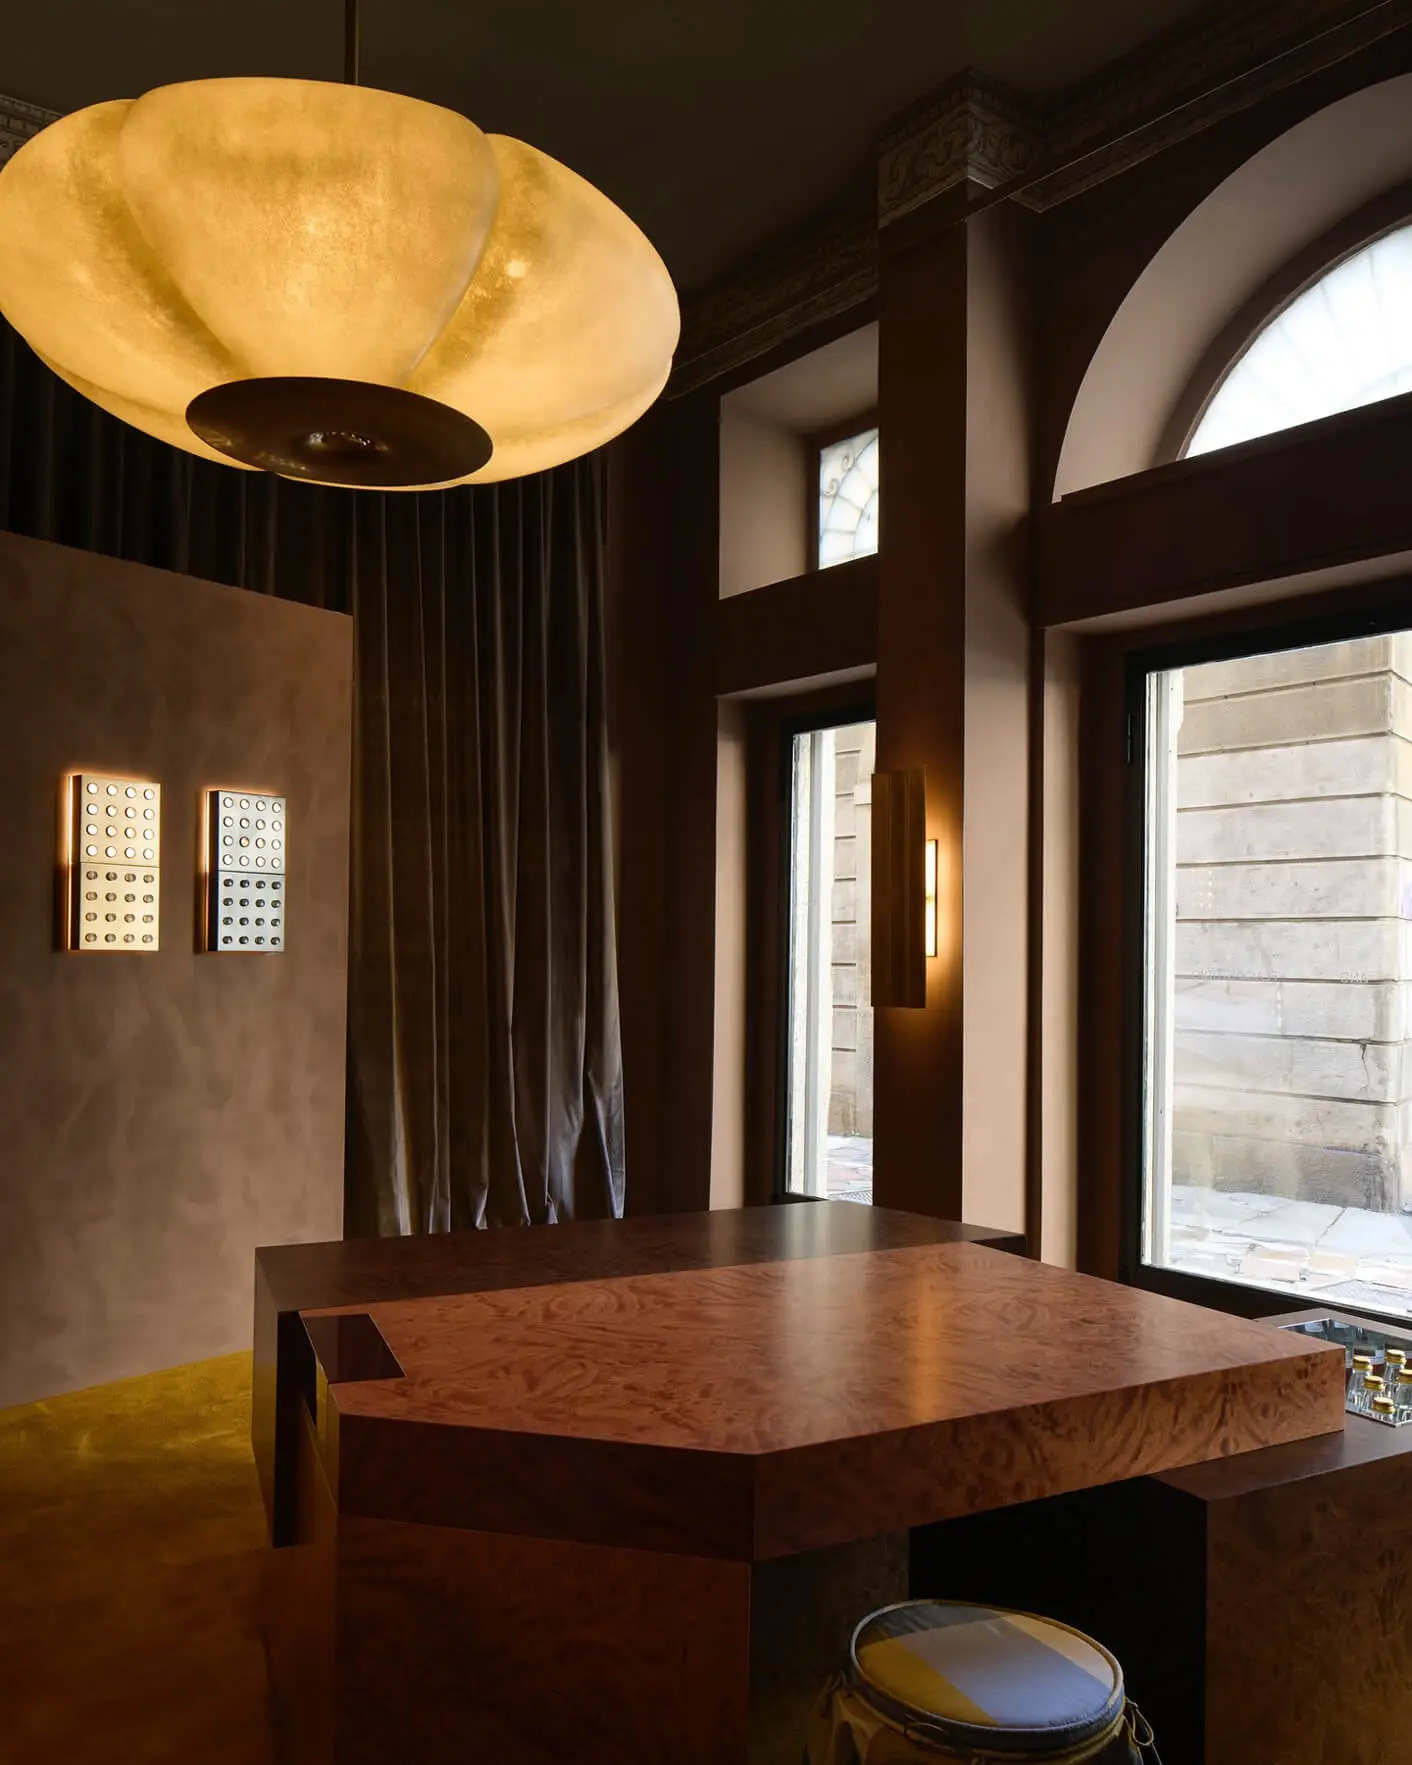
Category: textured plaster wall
[161,1114]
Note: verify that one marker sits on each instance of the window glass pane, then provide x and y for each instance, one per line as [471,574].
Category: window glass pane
[1278,1044]
[848,499]
[829,1148]
[1344,342]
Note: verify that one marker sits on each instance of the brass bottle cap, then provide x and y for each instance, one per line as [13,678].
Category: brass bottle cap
[1384,1406]
[1404,1375]
[1397,1356]
[1363,1362]
[1372,1381]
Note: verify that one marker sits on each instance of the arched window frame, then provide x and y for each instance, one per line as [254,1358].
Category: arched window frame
[1275,317]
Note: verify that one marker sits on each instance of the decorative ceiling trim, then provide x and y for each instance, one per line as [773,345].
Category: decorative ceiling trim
[822,273]
[1222,61]
[18,122]
[1215,63]
[972,131]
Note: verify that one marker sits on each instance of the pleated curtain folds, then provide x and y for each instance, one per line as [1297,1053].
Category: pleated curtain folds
[484,1051]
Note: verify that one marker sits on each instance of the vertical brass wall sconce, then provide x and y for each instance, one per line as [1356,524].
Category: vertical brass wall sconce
[247,843]
[113,886]
[929,935]
[901,921]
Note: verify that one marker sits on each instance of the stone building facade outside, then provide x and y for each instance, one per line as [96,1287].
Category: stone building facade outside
[851,1077]
[1292,959]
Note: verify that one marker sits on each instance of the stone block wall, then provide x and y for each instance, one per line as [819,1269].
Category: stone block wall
[1292,1072]
[851,1086]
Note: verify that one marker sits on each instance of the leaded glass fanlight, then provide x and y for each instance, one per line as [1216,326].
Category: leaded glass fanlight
[848,499]
[1345,341]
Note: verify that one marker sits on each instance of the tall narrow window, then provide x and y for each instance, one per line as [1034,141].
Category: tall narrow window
[848,498]
[1277,1142]
[829,1127]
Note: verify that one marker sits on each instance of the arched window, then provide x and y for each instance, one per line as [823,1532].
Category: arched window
[848,499]
[1345,341]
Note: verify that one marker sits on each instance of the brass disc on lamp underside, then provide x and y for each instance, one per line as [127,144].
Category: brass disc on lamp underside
[350,432]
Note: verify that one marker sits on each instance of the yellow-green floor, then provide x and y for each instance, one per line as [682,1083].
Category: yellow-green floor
[131,1535]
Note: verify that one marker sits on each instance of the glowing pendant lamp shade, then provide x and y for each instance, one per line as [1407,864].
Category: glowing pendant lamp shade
[331,282]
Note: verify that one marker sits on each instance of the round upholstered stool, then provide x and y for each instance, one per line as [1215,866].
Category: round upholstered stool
[926,1681]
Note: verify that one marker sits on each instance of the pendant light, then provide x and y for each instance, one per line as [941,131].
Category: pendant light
[332,282]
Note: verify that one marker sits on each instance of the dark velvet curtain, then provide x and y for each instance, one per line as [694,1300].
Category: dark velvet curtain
[484,1058]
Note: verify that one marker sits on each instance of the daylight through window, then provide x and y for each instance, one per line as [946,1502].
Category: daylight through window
[848,499]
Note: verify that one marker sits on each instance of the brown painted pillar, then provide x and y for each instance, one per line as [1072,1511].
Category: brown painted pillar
[952,693]
[663,584]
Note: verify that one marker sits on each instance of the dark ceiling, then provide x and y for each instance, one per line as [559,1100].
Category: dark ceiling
[714,124]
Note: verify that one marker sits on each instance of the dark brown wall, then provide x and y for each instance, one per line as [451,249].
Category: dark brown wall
[663,593]
[161,1115]
[986,332]
[922,403]
[1093,248]
[1324,495]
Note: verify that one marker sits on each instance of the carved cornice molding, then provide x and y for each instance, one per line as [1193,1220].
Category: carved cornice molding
[821,273]
[972,131]
[1213,64]
[18,122]
[1218,62]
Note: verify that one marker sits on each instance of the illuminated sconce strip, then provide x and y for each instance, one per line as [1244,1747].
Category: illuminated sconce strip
[246,852]
[113,864]
[930,932]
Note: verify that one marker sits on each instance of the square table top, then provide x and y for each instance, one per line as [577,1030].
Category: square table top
[761,1408]
[290,1278]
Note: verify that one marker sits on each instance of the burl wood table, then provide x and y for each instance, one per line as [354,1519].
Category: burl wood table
[1267,1620]
[628,1515]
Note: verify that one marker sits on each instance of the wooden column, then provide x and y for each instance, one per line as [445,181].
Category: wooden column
[952,694]
[663,542]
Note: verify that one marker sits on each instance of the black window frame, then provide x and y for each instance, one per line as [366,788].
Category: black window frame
[862,709]
[1292,632]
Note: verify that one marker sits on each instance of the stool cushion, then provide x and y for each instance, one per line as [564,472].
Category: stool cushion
[1003,1682]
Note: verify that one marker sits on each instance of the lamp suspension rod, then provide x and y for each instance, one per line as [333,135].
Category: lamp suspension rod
[350,42]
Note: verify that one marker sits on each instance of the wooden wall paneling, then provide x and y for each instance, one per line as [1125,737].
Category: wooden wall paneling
[687,977]
[1103,914]
[767,947]
[899,839]
[996,930]
[922,315]
[730,1065]
[638,538]
[825,622]
[1327,493]
[664,540]
[955,411]
[1055,954]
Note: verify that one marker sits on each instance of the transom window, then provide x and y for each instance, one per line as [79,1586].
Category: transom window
[1344,342]
[848,498]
